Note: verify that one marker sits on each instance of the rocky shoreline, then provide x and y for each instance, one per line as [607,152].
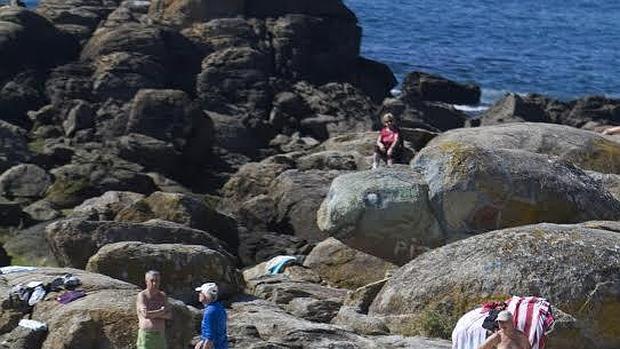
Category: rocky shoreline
[202,138]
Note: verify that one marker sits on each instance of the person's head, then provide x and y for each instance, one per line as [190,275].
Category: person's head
[504,320]
[388,120]
[207,293]
[152,278]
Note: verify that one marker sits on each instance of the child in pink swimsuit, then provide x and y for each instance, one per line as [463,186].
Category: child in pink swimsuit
[387,146]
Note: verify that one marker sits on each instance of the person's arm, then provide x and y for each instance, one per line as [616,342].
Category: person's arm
[167,312]
[208,326]
[491,342]
[612,130]
[149,314]
[141,305]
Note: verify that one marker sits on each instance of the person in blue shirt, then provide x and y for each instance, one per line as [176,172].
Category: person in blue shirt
[213,329]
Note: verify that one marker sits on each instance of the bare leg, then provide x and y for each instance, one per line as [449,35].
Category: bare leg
[375,161]
[390,162]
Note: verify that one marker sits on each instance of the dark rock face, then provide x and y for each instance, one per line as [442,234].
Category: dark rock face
[429,87]
[13,146]
[4,258]
[587,112]
[25,35]
[64,236]
[77,17]
[431,116]
[20,94]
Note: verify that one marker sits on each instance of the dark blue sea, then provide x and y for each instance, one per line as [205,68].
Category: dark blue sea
[561,48]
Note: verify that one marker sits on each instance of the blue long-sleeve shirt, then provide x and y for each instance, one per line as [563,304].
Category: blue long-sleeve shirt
[214,325]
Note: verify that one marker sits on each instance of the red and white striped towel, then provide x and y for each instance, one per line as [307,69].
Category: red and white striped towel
[532,315]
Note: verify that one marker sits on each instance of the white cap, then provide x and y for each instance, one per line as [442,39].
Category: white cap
[208,289]
[504,315]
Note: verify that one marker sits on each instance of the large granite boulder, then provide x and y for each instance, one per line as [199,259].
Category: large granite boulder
[24,35]
[77,182]
[20,94]
[474,189]
[587,150]
[297,195]
[120,75]
[261,324]
[106,206]
[430,87]
[470,181]
[105,316]
[74,241]
[163,114]
[342,266]
[575,267]
[184,267]
[184,209]
[147,49]
[385,212]
[76,17]
[24,181]
[28,246]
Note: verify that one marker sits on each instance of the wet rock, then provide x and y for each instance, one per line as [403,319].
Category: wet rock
[185,267]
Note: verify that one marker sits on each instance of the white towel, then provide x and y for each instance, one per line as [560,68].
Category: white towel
[468,332]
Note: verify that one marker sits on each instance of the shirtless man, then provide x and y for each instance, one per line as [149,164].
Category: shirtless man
[153,311]
[508,337]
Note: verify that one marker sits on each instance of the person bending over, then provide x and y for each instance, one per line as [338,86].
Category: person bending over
[387,146]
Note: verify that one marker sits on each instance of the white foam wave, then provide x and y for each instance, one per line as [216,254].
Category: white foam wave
[471,108]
